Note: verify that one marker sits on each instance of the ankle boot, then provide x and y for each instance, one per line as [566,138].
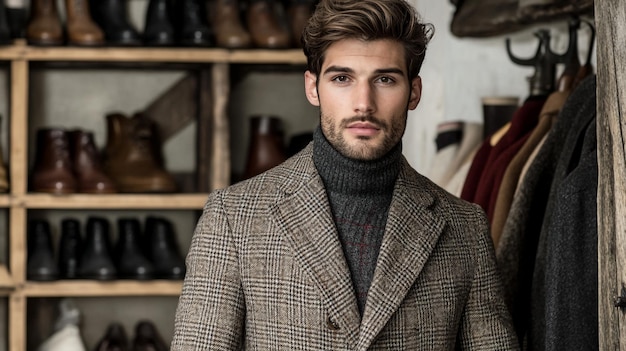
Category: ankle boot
[266,147]
[70,248]
[44,26]
[130,260]
[96,261]
[298,14]
[88,168]
[52,172]
[112,17]
[5,30]
[264,26]
[226,20]
[114,339]
[190,21]
[81,29]
[163,249]
[133,157]
[147,337]
[159,30]
[41,264]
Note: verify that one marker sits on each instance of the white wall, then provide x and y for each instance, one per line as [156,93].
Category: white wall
[457,72]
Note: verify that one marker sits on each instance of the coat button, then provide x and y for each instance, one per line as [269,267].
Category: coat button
[332,325]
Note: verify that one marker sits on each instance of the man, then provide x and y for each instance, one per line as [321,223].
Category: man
[344,246]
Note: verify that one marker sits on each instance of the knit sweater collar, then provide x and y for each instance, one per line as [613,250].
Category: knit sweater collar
[349,176]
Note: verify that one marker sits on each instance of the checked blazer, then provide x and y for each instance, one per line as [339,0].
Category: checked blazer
[266,271]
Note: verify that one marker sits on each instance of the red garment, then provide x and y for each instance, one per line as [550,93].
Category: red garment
[523,122]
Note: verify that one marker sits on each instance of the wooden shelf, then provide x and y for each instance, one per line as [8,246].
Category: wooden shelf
[21,51]
[113,201]
[90,288]
[5,200]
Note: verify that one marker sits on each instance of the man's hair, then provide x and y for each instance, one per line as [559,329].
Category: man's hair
[367,20]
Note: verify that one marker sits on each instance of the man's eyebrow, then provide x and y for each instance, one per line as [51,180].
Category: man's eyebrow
[338,69]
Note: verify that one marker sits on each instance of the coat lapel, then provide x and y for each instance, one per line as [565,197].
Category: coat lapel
[305,217]
[411,233]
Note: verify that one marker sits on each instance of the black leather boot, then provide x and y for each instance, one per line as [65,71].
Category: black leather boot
[114,339]
[41,264]
[112,17]
[158,30]
[147,338]
[130,260]
[70,248]
[191,24]
[96,261]
[163,250]
[5,31]
[17,17]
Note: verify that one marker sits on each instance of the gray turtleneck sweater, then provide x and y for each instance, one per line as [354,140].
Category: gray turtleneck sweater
[359,193]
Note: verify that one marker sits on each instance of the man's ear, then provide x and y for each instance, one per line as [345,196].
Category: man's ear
[310,88]
[416,92]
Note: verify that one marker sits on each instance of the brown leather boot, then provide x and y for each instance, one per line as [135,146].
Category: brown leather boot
[44,26]
[298,14]
[81,29]
[52,172]
[133,157]
[226,21]
[88,168]
[264,25]
[266,148]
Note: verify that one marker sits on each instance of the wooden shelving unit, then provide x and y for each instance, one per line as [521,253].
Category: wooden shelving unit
[19,201]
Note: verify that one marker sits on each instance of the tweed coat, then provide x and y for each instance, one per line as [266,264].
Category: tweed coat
[266,271]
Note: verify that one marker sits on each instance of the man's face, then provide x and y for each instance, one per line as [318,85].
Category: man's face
[364,95]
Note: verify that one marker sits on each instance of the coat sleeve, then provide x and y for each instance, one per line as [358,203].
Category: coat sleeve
[211,308]
[486,322]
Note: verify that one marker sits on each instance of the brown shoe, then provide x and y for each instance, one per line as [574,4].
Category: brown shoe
[44,26]
[133,157]
[229,31]
[298,13]
[88,168]
[264,26]
[265,148]
[52,172]
[81,29]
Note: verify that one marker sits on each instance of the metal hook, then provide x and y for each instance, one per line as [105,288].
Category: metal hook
[544,61]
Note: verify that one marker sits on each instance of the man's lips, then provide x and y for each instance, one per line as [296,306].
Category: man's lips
[363,128]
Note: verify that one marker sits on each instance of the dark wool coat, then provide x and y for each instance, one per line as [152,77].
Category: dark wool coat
[266,271]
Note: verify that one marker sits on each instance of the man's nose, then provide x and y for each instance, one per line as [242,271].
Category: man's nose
[364,98]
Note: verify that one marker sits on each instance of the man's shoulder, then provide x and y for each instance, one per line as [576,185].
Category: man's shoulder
[295,171]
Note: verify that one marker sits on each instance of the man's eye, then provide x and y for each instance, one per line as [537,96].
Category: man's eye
[386,80]
[340,79]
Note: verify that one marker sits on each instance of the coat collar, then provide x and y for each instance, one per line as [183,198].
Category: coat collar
[410,235]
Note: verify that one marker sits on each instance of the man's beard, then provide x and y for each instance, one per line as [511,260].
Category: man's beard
[363,151]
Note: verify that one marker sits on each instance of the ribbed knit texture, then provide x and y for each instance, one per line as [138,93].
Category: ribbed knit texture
[359,193]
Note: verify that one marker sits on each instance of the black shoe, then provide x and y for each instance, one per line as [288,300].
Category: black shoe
[130,260]
[6,23]
[70,248]
[112,17]
[96,261]
[147,338]
[115,339]
[41,264]
[162,249]
[191,23]
[159,30]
